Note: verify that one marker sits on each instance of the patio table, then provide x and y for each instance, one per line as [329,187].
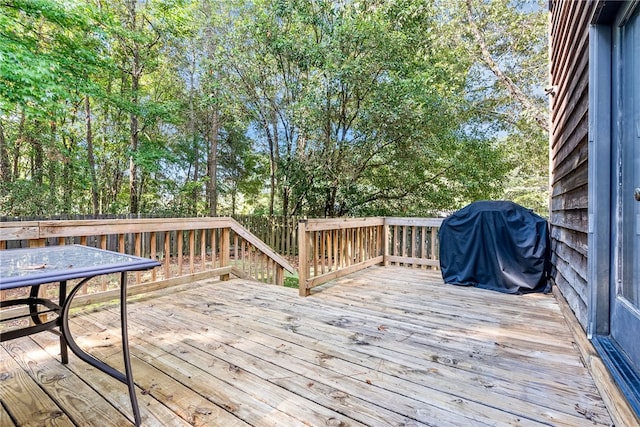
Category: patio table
[34,267]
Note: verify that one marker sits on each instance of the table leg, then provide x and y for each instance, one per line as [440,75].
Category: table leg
[34,301]
[64,354]
[33,305]
[125,347]
[127,377]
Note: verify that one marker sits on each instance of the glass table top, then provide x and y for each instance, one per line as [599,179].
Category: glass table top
[25,267]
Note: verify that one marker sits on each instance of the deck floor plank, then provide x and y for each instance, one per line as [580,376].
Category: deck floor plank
[394,355]
[384,346]
[279,362]
[245,364]
[161,377]
[221,382]
[64,386]
[376,331]
[5,418]
[22,397]
[401,364]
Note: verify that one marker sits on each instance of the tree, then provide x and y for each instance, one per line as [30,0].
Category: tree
[342,96]
[383,107]
[242,170]
[47,52]
[211,98]
[508,41]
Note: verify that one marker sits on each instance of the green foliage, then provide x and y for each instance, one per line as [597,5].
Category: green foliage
[513,106]
[24,198]
[291,282]
[374,125]
[44,52]
[318,108]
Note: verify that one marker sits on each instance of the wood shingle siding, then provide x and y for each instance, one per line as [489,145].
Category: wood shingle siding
[569,69]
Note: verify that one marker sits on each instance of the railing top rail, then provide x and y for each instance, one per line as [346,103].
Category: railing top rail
[66,228]
[419,222]
[19,230]
[341,223]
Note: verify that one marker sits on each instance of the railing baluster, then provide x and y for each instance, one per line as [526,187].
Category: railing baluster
[192,251]
[167,255]
[203,249]
[224,250]
[152,254]
[138,251]
[323,257]
[434,240]
[315,254]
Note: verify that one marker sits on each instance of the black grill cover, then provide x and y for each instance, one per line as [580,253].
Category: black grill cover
[495,245]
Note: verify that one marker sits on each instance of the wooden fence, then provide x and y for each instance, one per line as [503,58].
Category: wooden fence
[331,248]
[189,249]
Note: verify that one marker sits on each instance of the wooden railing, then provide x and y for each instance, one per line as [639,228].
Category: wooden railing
[412,242]
[279,232]
[331,248]
[192,249]
[189,249]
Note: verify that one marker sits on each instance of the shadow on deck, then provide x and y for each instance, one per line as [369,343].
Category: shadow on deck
[382,347]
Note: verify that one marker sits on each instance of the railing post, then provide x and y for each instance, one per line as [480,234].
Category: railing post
[225,249]
[37,243]
[303,262]
[385,243]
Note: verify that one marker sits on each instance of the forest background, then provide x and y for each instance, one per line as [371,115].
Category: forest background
[317,108]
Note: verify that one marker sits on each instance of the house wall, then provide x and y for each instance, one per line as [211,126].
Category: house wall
[569,73]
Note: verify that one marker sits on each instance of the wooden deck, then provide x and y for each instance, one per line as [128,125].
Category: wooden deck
[382,347]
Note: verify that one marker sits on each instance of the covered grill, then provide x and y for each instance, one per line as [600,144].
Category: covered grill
[496,245]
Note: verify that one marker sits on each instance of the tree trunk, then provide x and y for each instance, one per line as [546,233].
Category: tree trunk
[5,165]
[195,195]
[233,202]
[133,169]
[67,190]
[136,72]
[281,183]
[212,162]
[90,158]
[53,170]
[37,163]
[212,155]
[272,165]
